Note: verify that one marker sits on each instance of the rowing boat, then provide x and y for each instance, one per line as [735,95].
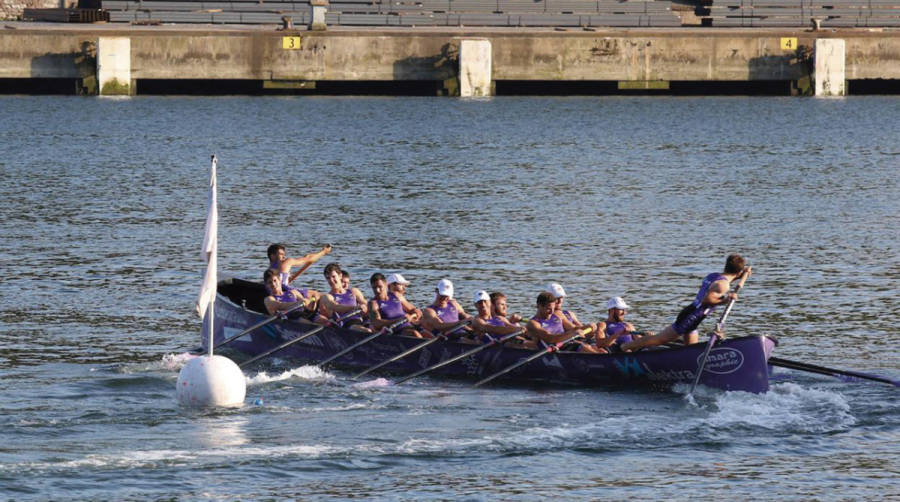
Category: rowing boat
[735,364]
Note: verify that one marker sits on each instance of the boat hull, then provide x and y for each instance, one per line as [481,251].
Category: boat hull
[737,364]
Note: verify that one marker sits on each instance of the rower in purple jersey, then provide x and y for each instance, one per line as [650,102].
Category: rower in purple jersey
[714,291]
[389,304]
[338,301]
[279,300]
[487,325]
[548,326]
[444,312]
[559,293]
[279,262]
[618,330]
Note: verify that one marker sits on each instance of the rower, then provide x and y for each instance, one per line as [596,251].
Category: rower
[279,262]
[714,291]
[444,312]
[389,304]
[486,323]
[339,301]
[618,330]
[549,326]
[279,300]
[559,293]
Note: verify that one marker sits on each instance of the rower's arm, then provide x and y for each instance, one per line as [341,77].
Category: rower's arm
[331,306]
[274,306]
[433,323]
[375,316]
[536,332]
[412,313]
[304,263]
[498,330]
[361,301]
[463,315]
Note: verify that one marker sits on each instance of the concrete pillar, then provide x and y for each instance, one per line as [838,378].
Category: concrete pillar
[475,68]
[114,66]
[830,62]
[317,10]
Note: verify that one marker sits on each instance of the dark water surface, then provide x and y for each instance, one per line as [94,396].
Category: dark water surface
[103,204]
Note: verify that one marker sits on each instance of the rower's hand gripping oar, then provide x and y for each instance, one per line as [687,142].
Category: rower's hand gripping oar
[720,326]
[467,353]
[299,338]
[383,331]
[438,337]
[541,353]
[822,370]
[280,315]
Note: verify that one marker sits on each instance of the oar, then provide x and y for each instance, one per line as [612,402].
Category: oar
[822,370]
[256,326]
[295,340]
[382,331]
[438,337]
[714,335]
[541,353]
[467,353]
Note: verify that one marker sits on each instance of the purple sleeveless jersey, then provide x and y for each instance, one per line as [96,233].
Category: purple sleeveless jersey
[704,287]
[447,314]
[345,298]
[392,308]
[616,328]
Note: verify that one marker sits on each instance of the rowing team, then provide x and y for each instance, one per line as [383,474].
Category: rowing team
[551,324]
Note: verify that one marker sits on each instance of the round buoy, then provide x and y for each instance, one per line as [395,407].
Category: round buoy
[211,381]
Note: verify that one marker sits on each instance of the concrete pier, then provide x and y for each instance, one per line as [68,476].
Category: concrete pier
[830,65]
[114,66]
[475,68]
[628,59]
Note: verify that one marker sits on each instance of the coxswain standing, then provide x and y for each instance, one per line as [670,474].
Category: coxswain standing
[281,264]
[714,291]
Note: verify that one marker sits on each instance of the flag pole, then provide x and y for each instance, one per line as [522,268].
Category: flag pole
[207,299]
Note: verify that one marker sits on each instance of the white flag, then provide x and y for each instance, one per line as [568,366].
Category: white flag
[210,247]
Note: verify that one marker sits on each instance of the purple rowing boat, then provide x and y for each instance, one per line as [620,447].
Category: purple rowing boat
[734,364]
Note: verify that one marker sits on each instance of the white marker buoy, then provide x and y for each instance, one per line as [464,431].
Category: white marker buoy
[208,381]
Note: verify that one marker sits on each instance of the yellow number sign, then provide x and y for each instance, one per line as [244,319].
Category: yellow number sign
[290,43]
[789,43]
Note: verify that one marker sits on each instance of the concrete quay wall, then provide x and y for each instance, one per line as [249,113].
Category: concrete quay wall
[211,53]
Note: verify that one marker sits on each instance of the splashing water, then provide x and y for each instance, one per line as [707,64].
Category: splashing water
[785,406]
[378,382]
[311,373]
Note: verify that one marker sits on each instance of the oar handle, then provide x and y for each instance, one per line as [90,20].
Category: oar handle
[262,323]
[465,354]
[294,340]
[543,352]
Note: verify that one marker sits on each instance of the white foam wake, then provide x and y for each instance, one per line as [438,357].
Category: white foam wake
[786,406]
[310,373]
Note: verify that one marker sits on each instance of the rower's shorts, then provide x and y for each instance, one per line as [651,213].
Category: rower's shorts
[688,319]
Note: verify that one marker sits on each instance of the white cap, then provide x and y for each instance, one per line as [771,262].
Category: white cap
[445,288]
[617,302]
[556,290]
[481,296]
[397,278]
